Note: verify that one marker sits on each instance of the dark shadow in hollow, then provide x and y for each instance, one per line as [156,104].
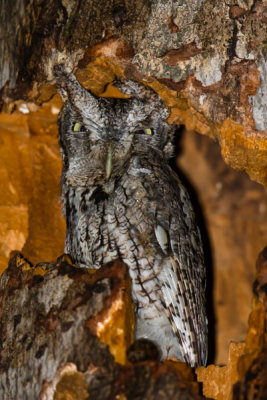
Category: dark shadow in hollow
[206,243]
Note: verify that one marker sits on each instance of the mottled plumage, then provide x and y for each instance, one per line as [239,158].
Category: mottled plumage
[122,200]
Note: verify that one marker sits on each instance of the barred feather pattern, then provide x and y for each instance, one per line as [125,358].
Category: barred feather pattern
[138,212]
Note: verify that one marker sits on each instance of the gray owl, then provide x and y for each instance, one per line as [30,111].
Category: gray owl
[122,200]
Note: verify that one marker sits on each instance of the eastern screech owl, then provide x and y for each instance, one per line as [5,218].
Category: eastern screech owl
[122,200]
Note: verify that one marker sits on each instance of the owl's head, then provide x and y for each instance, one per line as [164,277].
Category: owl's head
[98,135]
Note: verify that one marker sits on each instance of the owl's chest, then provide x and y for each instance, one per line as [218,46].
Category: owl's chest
[106,225]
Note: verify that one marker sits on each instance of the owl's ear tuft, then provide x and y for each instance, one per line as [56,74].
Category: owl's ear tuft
[133,88]
[61,75]
[60,70]
[138,90]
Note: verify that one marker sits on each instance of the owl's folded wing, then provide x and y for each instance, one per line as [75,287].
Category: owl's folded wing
[183,278]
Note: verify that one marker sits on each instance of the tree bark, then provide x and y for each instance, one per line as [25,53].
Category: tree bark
[52,316]
[207,60]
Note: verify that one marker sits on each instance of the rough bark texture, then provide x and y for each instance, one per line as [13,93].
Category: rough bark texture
[206,59]
[51,318]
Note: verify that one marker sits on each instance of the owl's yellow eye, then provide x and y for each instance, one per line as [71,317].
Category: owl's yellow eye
[77,127]
[146,131]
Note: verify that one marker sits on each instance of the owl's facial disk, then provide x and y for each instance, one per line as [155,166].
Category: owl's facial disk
[97,148]
[93,149]
[112,138]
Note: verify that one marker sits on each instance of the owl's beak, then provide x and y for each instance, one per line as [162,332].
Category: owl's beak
[109,162]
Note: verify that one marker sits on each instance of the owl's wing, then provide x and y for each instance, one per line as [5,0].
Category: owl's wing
[183,274]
